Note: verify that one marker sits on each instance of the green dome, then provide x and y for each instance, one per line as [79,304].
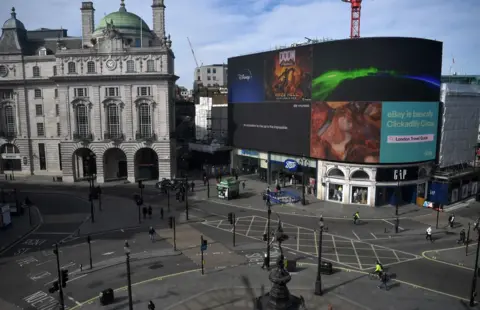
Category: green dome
[123,20]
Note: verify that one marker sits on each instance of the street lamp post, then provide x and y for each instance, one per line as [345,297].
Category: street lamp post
[474,279]
[318,281]
[398,198]
[305,162]
[129,280]
[186,197]
[269,213]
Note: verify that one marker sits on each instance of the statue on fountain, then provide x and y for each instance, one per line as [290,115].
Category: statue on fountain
[279,297]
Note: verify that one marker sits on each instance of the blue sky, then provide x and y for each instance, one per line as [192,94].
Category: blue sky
[220,29]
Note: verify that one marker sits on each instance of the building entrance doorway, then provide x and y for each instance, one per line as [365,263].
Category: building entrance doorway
[114,164]
[84,163]
[146,164]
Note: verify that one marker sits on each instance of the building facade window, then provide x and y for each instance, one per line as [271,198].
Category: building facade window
[72,67]
[214,70]
[56,93]
[82,117]
[42,158]
[54,70]
[80,92]
[36,71]
[59,130]
[38,110]
[9,120]
[40,130]
[37,93]
[335,192]
[113,120]
[111,92]
[90,67]
[209,78]
[144,91]
[209,71]
[214,78]
[3,71]
[130,66]
[6,94]
[144,120]
[57,110]
[42,52]
[150,65]
[360,195]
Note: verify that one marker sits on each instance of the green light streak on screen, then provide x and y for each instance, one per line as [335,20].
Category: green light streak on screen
[326,83]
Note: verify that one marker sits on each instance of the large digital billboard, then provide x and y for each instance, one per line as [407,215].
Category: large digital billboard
[377,69]
[374,132]
[371,100]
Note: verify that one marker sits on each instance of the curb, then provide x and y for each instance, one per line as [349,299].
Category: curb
[133,259]
[32,229]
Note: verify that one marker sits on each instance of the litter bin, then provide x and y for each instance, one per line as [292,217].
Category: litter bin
[107,297]
[291,265]
[326,268]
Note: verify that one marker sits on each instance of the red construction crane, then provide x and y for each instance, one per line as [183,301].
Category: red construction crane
[355,19]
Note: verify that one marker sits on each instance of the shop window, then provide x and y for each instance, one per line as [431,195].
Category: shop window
[336,173]
[360,195]
[421,190]
[359,175]
[335,192]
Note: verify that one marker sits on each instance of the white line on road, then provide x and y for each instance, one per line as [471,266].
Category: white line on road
[219,223]
[73,300]
[335,248]
[79,277]
[250,226]
[108,253]
[356,254]
[43,263]
[51,233]
[316,243]
[373,235]
[356,235]
[388,222]
[298,238]
[395,253]
[71,264]
[265,229]
[375,252]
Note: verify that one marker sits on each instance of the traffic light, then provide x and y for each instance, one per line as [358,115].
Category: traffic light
[89,239]
[140,184]
[64,278]
[230,217]
[55,287]
[204,242]
[265,237]
[138,199]
[170,222]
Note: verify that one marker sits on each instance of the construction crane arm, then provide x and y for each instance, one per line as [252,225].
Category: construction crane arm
[193,52]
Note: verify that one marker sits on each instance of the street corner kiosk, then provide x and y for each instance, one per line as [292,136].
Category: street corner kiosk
[228,188]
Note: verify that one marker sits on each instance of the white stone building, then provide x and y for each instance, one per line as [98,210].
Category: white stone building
[101,104]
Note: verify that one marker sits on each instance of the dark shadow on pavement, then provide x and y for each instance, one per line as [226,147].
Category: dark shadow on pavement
[394,285]
[332,288]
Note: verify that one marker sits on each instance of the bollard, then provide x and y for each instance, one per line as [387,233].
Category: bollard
[81,267]
[385,229]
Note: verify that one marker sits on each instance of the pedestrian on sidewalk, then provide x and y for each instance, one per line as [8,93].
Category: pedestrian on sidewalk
[462,237]
[243,185]
[429,234]
[192,185]
[383,281]
[151,233]
[356,217]
[144,211]
[150,211]
[475,225]
[451,220]
[204,180]
[265,261]
[151,305]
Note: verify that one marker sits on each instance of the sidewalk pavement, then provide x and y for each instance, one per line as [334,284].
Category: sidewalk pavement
[4,305]
[19,228]
[233,289]
[457,256]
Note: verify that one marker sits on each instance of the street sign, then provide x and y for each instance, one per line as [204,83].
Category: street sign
[11,156]
[203,247]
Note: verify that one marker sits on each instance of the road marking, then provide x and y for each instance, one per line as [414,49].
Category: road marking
[250,226]
[48,253]
[396,255]
[316,243]
[26,261]
[375,252]
[335,248]
[71,299]
[356,235]
[51,233]
[42,301]
[388,222]
[71,264]
[298,238]
[219,223]
[266,228]
[108,253]
[45,262]
[40,275]
[21,251]
[373,236]
[356,254]
[396,280]
[34,242]
[79,277]
[136,284]
[424,255]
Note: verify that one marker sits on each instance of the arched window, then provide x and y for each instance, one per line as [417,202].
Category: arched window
[130,66]
[144,120]
[72,68]
[81,113]
[90,67]
[359,175]
[113,120]
[42,52]
[336,173]
[36,71]
[150,65]
[9,120]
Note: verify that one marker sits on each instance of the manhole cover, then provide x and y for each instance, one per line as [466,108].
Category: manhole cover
[156,266]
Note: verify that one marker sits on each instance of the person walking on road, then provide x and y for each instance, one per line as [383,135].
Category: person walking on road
[243,185]
[356,217]
[475,225]
[451,220]
[462,237]
[192,185]
[265,259]
[151,233]
[150,211]
[383,281]
[429,234]
[151,305]
[378,269]
[144,211]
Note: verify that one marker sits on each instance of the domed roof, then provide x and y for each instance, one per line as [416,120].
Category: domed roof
[13,22]
[123,21]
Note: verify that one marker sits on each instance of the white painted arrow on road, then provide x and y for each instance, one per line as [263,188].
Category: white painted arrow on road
[108,253]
